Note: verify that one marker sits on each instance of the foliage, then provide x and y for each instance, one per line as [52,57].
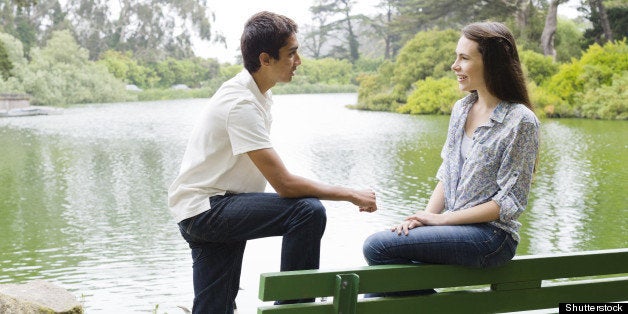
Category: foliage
[375,90]
[428,54]
[128,70]
[546,103]
[151,29]
[569,37]
[578,83]
[539,68]
[170,94]
[367,65]
[432,96]
[595,68]
[191,72]
[607,101]
[335,21]
[5,64]
[617,13]
[14,55]
[61,74]
[327,70]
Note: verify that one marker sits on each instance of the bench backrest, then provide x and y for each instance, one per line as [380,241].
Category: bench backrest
[522,284]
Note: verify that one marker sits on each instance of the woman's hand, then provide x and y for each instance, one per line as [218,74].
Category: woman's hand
[405,226]
[419,219]
[429,219]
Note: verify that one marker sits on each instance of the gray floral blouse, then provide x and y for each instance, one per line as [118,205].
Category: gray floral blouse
[499,166]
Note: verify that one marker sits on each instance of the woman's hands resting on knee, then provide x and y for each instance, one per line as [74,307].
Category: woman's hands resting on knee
[419,219]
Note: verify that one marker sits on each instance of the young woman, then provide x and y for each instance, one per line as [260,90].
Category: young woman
[488,161]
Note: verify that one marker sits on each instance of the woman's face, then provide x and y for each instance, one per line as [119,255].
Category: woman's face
[469,67]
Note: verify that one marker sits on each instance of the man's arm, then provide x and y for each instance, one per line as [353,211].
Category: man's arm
[291,186]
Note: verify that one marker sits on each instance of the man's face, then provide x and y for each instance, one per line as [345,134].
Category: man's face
[288,61]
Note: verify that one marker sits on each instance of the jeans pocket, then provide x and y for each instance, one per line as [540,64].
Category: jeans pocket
[504,251]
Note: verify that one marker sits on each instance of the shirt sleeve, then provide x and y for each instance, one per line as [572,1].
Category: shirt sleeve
[456,112]
[247,128]
[515,173]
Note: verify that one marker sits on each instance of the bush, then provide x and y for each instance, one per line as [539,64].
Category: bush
[61,74]
[428,54]
[325,71]
[432,96]
[374,91]
[569,37]
[595,68]
[125,68]
[538,68]
[548,104]
[607,102]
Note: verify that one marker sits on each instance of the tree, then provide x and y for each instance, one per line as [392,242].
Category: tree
[341,25]
[598,7]
[5,64]
[608,18]
[316,36]
[549,31]
[381,25]
[151,29]
[60,74]
[30,21]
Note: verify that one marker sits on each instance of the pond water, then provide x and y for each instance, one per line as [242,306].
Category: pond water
[83,194]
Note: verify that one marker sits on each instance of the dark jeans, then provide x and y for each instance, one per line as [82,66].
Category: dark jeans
[218,237]
[478,245]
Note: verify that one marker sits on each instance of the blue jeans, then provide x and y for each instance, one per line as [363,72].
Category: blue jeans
[218,237]
[477,245]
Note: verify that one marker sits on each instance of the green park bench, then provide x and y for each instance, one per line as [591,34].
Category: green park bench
[526,283]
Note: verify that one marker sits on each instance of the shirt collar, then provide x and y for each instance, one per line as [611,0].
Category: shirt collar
[499,113]
[247,79]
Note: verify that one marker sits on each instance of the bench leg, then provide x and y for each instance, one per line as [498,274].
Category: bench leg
[346,294]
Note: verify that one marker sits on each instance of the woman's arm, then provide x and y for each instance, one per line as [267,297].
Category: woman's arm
[436,204]
[484,212]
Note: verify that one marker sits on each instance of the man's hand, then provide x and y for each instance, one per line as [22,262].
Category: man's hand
[365,200]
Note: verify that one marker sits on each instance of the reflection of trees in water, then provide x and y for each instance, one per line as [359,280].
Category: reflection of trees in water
[559,213]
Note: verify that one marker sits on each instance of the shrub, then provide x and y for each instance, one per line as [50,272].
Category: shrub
[432,96]
[607,102]
[594,69]
[428,54]
[61,74]
[326,71]
[539,68]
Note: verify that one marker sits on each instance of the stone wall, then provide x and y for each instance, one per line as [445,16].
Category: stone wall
[13,101]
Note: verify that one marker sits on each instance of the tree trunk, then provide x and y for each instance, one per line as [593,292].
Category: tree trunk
[598,6]
[551,22]
[388,40]
[522,16]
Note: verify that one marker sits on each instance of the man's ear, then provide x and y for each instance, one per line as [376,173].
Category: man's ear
[264,58]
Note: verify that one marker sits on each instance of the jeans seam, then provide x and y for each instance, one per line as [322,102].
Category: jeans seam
[496,251]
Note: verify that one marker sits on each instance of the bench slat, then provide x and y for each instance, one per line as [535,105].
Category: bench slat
[481,301]
[321,283]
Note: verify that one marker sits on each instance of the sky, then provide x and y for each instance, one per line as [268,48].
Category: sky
[232,14]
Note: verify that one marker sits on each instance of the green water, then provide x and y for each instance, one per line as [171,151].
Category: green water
[83,194]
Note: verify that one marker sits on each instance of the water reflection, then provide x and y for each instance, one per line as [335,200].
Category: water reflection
[82,195]
[561,189]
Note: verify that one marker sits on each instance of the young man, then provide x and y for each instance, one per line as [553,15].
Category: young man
[218,197]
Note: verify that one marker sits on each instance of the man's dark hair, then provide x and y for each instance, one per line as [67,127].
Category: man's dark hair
[264,32]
